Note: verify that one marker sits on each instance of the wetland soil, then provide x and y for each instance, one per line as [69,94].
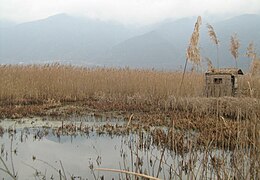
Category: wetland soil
[206,115]
[195,115]
[189,125]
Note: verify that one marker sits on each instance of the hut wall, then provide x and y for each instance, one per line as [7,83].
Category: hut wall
[219,85]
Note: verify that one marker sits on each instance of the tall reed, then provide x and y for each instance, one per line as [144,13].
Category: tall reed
[71,83]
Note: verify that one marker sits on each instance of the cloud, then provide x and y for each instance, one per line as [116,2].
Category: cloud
[125,11]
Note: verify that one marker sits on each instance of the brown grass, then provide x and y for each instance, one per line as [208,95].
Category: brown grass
[70,83]
[212,34]
[234,46]
[255,67]
[193,51]
[209,63]
[108,89]
[213,37]
[226,123]
[250,51]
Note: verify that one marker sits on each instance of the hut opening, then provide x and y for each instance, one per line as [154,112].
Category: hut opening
[222,82]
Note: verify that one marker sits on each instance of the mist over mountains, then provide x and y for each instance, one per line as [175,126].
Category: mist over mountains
[66,39]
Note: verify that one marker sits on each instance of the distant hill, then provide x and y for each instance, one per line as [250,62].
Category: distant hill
[60,37]
[175,37]
[247,28]
[148,50]
[85,41]
[162,47]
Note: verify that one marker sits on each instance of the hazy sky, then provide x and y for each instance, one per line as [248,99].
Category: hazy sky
[125,11]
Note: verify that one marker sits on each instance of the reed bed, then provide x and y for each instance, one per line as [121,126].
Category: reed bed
[209,137]
[69,83]
[129,90]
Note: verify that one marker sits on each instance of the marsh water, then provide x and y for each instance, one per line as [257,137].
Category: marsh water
[73,148]
[33,150]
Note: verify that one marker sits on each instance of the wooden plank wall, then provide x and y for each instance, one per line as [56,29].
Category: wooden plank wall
[214,89]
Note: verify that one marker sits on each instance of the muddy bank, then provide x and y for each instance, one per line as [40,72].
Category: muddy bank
[191,108]
[219,121]
[173,151]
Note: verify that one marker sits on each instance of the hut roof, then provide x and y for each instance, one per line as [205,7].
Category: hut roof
[228,71]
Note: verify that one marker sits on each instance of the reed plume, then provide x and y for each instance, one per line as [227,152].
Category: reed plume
[250,51]
[255,67]
[193,51]
[213,37]
[234,46]
[209,63]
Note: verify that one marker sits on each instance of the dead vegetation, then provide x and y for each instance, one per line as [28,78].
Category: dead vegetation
[179,119]
[43,90]
[34,84]
[37,84]
[214,39]
[255,67]
[193,122]
[234,46]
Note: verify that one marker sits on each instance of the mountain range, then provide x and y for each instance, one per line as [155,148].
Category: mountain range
[66,39]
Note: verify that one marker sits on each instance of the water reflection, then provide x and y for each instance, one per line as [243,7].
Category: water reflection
[40,153]
[54,150]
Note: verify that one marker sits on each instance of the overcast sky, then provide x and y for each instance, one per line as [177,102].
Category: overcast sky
[125,11]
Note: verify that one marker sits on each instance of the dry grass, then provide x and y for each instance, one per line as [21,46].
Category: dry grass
[193,51]
[234,46]
[209,63]
[255,67]
[69,83]
[49,86]
[226,123]
[212,34]
[213,37]
[211,126]
[250,83]
[250,51]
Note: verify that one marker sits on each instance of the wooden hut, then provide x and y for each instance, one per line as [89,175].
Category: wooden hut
[222,82]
